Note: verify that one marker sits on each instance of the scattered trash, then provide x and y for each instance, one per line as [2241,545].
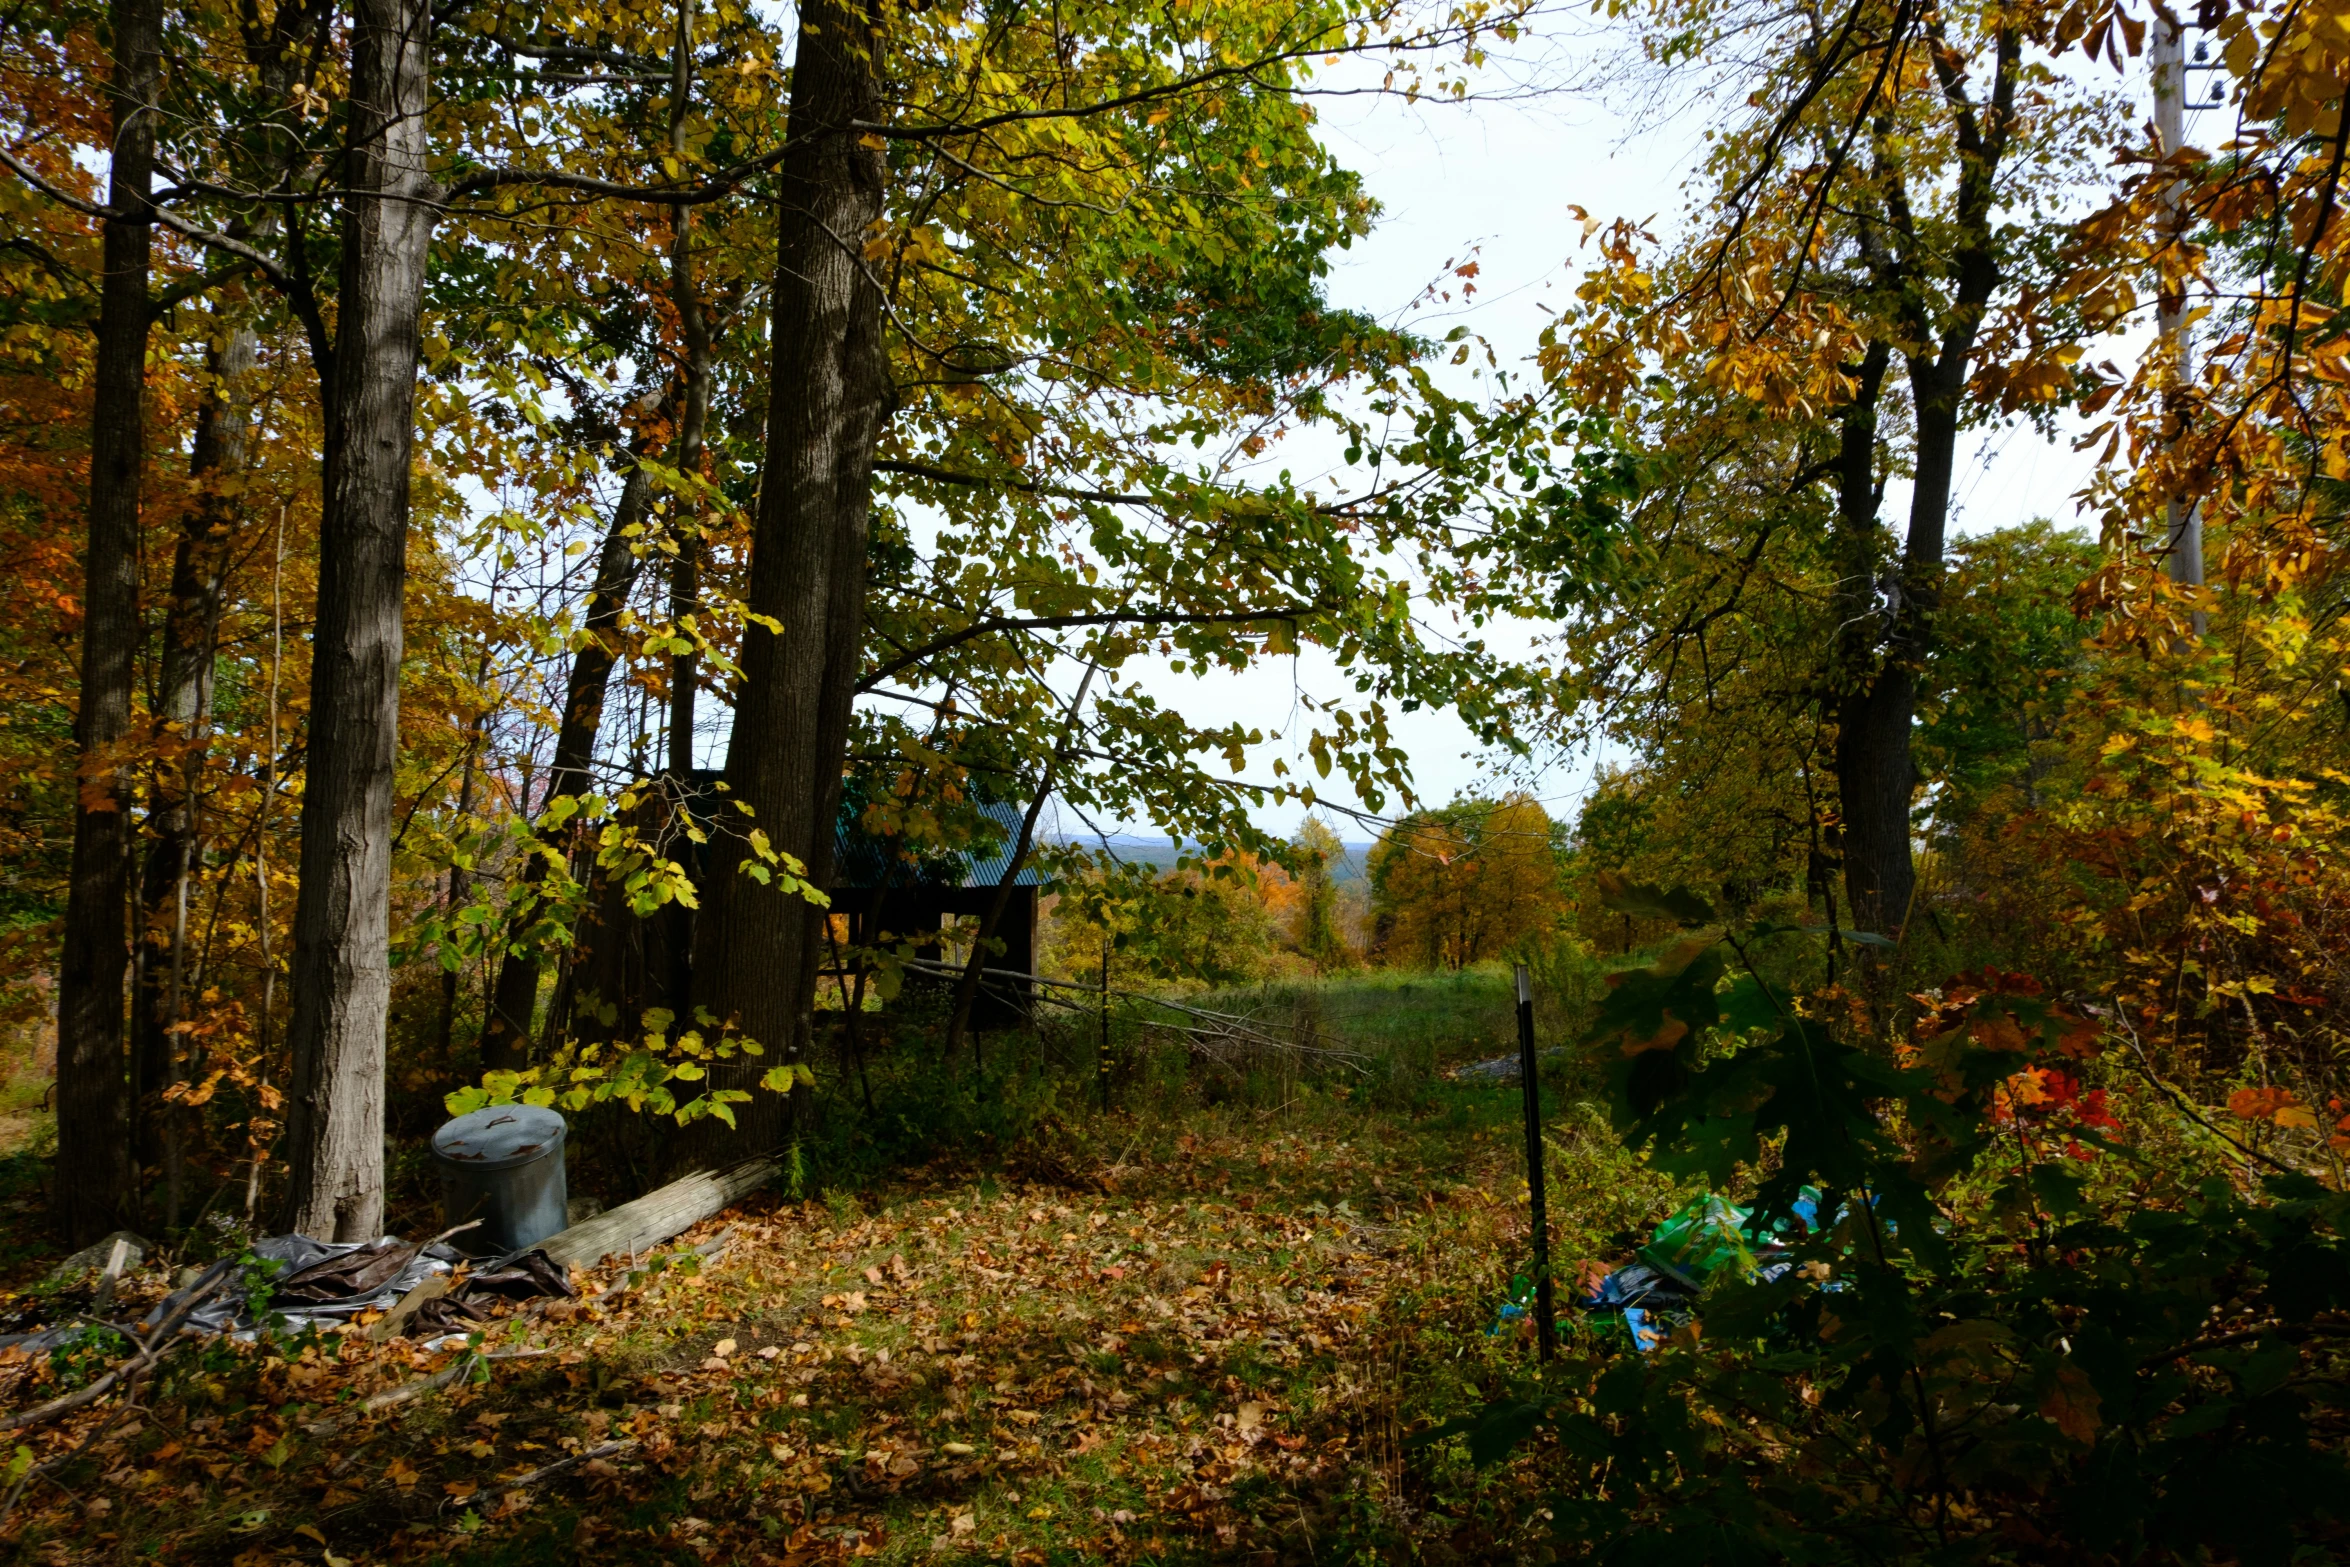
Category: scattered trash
[288,1283]
[1516,1315]
[1659,1291]
[1501,1069]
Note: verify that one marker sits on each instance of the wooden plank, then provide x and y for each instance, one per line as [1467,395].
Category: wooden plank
[658,1215]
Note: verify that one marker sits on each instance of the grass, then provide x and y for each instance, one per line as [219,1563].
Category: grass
[1199,1327]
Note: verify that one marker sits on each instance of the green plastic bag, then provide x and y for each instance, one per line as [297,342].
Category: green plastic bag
[1699,1241]
[1709,1235]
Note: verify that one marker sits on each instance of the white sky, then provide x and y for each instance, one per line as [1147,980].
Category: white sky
[1498,178]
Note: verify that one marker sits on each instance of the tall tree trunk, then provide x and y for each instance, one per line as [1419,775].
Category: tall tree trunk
[97,1187]
[459,891]
[191,632]
[342,923]
[1873,788]
[506,1032]
[693,330]
[1874,764]
[1876,772]
[829,393]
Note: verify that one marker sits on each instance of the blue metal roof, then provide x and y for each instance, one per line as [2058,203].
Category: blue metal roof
[859,859]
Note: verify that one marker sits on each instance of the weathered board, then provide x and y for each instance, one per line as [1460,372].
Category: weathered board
[639,1226]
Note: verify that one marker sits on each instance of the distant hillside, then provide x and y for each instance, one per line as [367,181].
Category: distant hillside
[1163,852]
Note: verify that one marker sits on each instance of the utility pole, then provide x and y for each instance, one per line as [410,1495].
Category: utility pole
[2183,519]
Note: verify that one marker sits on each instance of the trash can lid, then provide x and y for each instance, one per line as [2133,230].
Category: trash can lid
[496,1136]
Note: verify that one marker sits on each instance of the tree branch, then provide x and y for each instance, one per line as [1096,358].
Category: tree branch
[994,624]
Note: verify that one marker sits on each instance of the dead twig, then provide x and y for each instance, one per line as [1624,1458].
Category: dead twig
[148,1349]
[49,1470]
[454,1372]
[2185,1107]
[544,1472]
[709,1251]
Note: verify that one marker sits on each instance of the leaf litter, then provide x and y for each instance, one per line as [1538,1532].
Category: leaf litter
[1193,1359]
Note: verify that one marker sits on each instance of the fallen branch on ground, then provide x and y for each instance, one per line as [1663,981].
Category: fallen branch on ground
[148,1350]
[709,1252]
[586,1455]
[450,1374]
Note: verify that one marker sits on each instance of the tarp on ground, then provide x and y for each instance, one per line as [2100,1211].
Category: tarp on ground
[1695,1244]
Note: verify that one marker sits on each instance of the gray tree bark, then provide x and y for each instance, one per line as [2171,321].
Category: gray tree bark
[342,923]
[96,1184]
[829,393]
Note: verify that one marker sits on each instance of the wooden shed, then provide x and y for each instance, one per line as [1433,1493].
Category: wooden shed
[887,899]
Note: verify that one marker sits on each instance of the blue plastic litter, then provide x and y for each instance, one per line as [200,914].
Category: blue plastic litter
[1658,1293]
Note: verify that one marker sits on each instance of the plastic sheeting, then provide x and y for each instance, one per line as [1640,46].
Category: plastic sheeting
[1701,1239]
[294,1283]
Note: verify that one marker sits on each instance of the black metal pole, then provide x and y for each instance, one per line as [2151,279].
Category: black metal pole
[1530,1081]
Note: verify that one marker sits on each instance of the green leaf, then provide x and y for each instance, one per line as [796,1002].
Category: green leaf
[1679,904]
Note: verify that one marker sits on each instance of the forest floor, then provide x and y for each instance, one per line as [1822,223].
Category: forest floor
[1197,1333]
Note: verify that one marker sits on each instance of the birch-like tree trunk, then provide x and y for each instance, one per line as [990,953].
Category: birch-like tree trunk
[342,923]
[96,1183]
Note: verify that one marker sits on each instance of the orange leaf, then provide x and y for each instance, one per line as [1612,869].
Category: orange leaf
[1664,1038]
[2072,1403]
[2268,1104]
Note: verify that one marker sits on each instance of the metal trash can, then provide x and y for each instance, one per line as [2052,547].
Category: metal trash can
[503,1165]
